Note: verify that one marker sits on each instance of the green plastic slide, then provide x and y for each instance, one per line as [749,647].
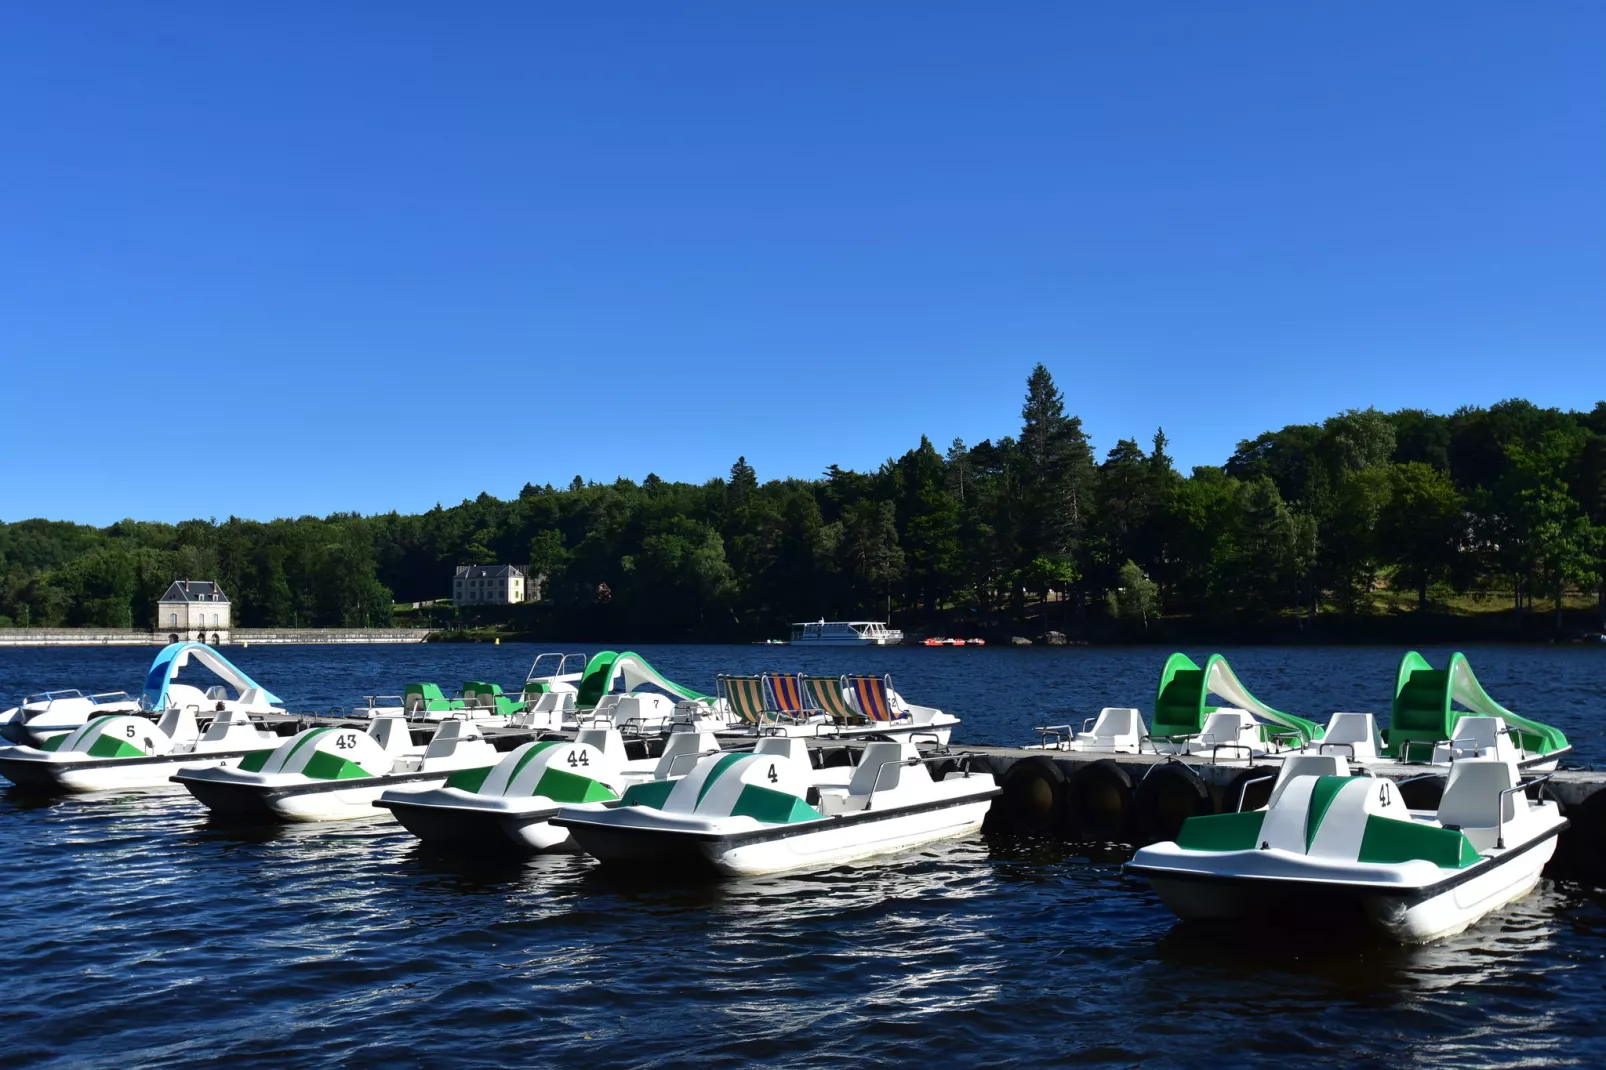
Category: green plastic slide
[1424,707]
[1183,700]
[609,666]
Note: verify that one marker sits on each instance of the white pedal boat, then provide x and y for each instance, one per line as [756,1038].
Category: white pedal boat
[51,714]
[511,805]
[127,751]
[334,774]
[1347,845]
[55,713]
[770,812]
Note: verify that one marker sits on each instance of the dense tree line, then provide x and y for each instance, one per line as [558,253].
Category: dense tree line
[1029,530]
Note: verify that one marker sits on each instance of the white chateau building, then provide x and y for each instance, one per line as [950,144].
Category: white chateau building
[478,585]
[194,610]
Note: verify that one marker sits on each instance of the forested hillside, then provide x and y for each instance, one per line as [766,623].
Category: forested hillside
[1343,517]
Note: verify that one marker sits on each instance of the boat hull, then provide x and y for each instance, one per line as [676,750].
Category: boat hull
[626,841]
[46,775]
[441,820]
[237,796]
[1406,913]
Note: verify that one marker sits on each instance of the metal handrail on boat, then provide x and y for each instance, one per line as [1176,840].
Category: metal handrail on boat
[696,755]
[1500,816]
[876,786]
[1243,790]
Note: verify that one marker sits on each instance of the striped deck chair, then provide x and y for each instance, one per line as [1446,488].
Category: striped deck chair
[745,695]
[824,693]
[786,695]
[871,693]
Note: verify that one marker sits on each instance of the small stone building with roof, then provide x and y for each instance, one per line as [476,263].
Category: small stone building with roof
[195,610]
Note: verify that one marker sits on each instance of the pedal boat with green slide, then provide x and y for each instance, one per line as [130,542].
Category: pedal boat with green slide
[769,811]
[120,751]
[1329,846]
[335,774]
[1440,716]
[510,806]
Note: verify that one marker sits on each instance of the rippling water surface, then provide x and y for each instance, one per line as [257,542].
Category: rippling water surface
[140,934]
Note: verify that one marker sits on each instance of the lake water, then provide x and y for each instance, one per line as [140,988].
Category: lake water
[140,934]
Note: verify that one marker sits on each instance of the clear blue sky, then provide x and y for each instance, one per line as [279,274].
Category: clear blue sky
[370,256]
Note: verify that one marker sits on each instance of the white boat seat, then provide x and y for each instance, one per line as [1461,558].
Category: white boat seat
[1309,765]
[392,735]
[794,751]
[180,726]
[670,763]
[1478,737]
[555,702]
[1473,799]
[607,740]
[443,744]
[1228,726]
[1117,728]
[877,755]
[1352,735]
[833,801]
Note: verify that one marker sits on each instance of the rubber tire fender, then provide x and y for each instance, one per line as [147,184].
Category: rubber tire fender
[1167,796]
[1581,853]
[1033,798]
[1255,796]
[1098,803]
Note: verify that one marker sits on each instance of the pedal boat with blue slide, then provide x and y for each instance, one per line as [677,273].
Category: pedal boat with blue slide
[335,774]
[119,751]
[1347,845]
[769,811]
[510,806]
[49,714]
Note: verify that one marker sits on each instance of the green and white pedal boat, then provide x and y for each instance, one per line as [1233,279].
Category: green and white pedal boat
[511,805]
[771,812]
[1331,845]
[1440,716]
[119,751]
[334,774]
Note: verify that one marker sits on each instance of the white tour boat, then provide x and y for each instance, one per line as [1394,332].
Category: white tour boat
[845,633]
[118,751]
[55,713]
[1336,845]
[512,804]
[332,774]
[771,812]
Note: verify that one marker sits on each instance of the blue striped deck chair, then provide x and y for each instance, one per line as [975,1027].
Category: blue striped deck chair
[872,695]
[786,695]
[824,693]
[745,696]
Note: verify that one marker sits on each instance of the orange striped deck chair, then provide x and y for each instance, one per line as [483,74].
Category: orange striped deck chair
[745,694]
[786,694]
[824,693]
[871,694]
